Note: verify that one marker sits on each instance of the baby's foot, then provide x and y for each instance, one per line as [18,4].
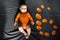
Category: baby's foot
[26,36]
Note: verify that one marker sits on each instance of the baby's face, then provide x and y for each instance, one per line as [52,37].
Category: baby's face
[23,8]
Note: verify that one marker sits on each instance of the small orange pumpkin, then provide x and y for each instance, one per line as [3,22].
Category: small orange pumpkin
[41,33]
[38,23]
[38,27]
[53,32]
[38,16]
[44,20]
[38,10]
[48,8]
[47,34]
[51,21]
[55,27]
[42,6]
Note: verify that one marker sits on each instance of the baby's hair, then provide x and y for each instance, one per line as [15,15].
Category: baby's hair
[22,5]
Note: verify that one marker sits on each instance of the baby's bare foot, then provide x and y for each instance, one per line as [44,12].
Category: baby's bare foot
[26,36]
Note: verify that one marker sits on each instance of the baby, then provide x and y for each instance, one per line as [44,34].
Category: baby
[24,16]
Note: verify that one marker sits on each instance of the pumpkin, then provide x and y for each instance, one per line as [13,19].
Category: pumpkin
[55,27]
[51,21]
[48,8]
[47,34]
[38,16]
[38,23]
[41,33]
[53,32]
[38,27]
[38,10]
[42,6]
[44,20]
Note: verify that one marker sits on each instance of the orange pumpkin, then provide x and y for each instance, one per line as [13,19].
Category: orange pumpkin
[44,20]
[38,9]
[55,27]
[48,8]
[42,6]
[47,34]
[38,23]
[38,27]
[38,16]
[51,21]
[53,32]
[41,33]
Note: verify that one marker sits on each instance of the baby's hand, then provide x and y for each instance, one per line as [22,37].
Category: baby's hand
[32,23]
[15,24]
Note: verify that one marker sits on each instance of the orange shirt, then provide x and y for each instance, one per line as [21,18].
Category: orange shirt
[24,18]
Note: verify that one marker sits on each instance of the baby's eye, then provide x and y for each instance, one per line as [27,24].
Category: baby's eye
[23,8]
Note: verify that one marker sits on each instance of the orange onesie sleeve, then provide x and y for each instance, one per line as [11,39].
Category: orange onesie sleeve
[17,17]
[30,17]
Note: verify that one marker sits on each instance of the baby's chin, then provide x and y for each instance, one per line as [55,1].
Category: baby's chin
[23,12]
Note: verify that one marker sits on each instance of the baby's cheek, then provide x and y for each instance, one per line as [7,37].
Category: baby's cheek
[25,10]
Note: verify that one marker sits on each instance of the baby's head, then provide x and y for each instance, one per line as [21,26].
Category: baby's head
[23,8]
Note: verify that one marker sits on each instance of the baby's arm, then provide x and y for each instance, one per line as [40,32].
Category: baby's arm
[31,19]
[16,19]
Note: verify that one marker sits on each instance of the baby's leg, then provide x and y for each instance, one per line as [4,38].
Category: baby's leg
[22,30]
[28,31]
